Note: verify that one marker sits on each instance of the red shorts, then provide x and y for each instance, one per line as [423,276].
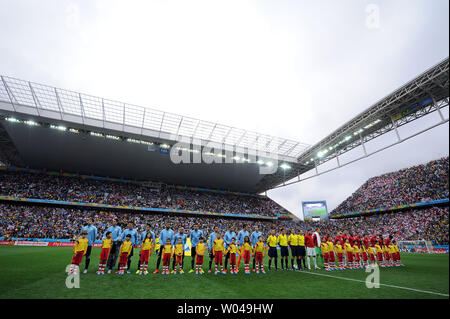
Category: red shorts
[325,257]
[339,257]
[364,256]
[372,257]
[232,258]
[178,259]
[104,254]
[380,256]
[123,258]
[199,260]
[218,257]
[386,256]
[145,255]
[259,257]
[246,256]
[349,256]
[331,257]
[166,259]
[357,257]
[76,259]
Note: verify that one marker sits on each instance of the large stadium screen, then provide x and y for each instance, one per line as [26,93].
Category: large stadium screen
[315,210]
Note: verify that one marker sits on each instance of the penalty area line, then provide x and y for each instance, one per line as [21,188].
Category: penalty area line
[386,285]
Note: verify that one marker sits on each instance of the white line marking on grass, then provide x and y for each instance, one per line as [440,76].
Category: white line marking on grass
[392,286]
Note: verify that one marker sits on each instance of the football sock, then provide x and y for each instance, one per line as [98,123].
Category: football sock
[254,262]
[270,262]
[315,261]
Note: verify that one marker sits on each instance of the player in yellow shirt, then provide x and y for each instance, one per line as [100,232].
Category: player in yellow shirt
[233,250]
[272,241]
[179,250]
[349,251]
[398,261]
[200,250]
[379,252]
[340,254]
[246,251]
[258,252]
[146,252]
[293,244]
[79,250]
[104,254]
[125,250]
[218,250]
[283,242]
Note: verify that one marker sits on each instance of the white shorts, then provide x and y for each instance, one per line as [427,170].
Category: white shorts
[311,251]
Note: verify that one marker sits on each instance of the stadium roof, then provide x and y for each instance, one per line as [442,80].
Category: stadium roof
[427,93]
[50,102]
[74,132]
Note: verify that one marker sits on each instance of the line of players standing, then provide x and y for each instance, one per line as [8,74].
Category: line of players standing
[296,242]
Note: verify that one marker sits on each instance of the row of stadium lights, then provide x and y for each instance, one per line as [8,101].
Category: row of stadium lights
[283,166]
[236,158]
[320,154]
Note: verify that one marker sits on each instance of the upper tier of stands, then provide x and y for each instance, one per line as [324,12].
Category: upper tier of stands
[416,184]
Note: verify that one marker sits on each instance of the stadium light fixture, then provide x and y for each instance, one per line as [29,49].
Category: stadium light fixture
[96,134]
[72,130]
[146,143]
[164,146]
[31,123]
[347,138]
[113,137]
[285,166]
[236,158]
[260,162]
[59,127]
[12,119]
[270,164]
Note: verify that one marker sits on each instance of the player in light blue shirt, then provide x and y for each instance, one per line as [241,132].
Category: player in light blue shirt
[229,235]
[91,236]
[134,239]
[116,232]
[165,234]
[253,240]
[183,237]
[212,238]
[194,236]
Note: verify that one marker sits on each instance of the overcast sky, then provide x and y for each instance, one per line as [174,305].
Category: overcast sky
[295,69]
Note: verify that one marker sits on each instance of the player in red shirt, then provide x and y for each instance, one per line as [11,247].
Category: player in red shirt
[310,249]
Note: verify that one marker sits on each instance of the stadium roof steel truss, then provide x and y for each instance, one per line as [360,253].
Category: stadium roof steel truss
[427,93]
[50,102]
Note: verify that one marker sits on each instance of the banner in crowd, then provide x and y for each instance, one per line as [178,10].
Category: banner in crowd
[135,208]
[393,208]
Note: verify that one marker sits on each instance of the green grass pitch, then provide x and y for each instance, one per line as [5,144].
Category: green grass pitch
[38,272]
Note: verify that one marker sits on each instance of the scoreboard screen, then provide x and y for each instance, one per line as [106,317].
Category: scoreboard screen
[315,210]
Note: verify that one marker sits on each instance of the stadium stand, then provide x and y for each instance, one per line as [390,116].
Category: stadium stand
[416,184]
[62,223]
[64,188]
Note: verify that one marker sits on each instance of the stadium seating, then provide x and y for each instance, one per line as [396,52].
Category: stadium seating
[52,187]
[420,183]
[61,223]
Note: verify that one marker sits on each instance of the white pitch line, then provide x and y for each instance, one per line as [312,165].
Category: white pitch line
[392,286]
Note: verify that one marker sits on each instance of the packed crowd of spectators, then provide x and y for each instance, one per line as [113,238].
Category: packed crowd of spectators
[416,184]
[52,187]
[62,223]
